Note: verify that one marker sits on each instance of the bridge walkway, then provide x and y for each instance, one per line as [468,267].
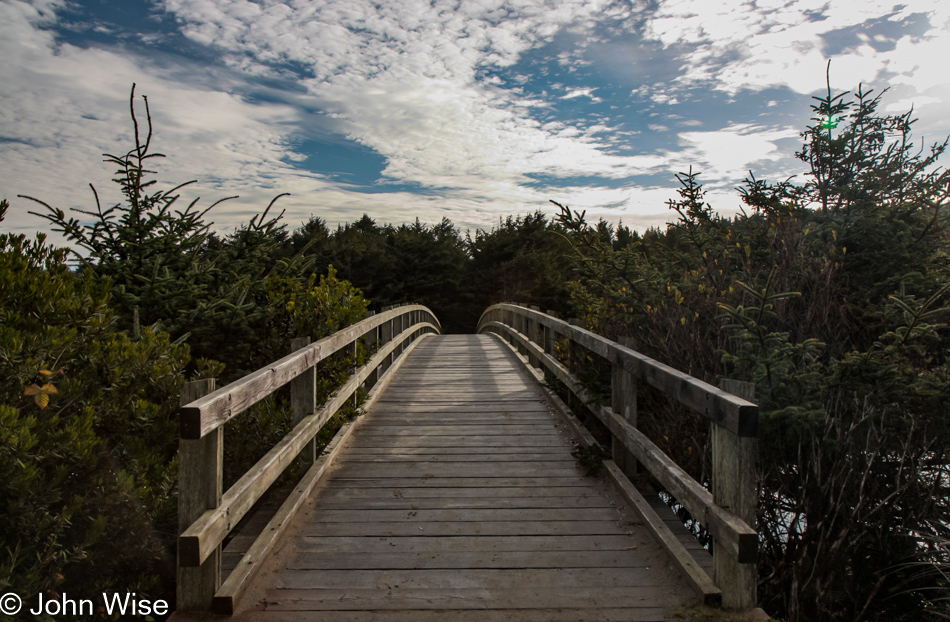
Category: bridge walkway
[457,498]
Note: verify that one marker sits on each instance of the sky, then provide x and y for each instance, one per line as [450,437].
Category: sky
[471,110]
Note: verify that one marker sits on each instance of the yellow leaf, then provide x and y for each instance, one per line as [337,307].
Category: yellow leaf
[42,400]
[32,390]
[48,388]
[46,372]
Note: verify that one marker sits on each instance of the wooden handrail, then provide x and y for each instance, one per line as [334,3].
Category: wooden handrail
[205,414]
[735,420]
[203,529]
[735,414]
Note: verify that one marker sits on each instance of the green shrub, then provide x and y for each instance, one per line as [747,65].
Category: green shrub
[87,478]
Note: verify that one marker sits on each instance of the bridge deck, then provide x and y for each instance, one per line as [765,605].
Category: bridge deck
[457,499]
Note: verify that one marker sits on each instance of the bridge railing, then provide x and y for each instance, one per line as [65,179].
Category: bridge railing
[729,510]
[206,513]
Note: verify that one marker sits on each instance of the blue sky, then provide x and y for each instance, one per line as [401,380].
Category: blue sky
[468,109]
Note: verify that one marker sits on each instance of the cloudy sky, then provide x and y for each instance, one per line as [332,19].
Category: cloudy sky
[471,109]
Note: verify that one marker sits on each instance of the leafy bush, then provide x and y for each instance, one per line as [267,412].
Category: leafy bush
[87,476]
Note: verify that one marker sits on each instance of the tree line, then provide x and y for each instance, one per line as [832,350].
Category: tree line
[830,294]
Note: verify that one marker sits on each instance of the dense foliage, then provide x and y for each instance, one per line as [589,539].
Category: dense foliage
[831,296]
[91,376]
[87,433]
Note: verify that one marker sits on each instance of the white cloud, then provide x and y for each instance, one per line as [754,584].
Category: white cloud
[729,153]
[401,79]
[775,46]
[404,79]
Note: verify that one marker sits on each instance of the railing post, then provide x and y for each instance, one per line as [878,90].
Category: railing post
[200,486]
[369,342]
[735,488]
[536,335]
[385,336]
[303,398]
[573,363]
[523,329]
[623,389]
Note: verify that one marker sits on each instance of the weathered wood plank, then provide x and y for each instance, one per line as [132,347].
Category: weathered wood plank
[514,528]
[468,515]
[469,578]
[491,442]
[469,407]
[417,431]
[455,560]
[588,614]
[398,458]
[464,598]
[501,453]
[579,491]
[465,503]
[467,544]
[454,482]
[456,469]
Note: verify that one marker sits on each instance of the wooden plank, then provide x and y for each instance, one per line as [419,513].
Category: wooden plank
[472,428]
[500,419]
[467,515]
[496,528]
[456,469]
[463,598]
[454,482]
[580,491]
[201,416]
[468,578]
[500,453]
[467,544]
[465,503]
[548,458]
[494,407]
[462,560]
[588,614]
[380,441]
[735,414]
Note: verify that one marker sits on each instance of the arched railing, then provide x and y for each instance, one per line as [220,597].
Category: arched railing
[206,513]
[729,510]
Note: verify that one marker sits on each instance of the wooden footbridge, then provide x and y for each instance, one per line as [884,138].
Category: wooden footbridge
[455,497]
